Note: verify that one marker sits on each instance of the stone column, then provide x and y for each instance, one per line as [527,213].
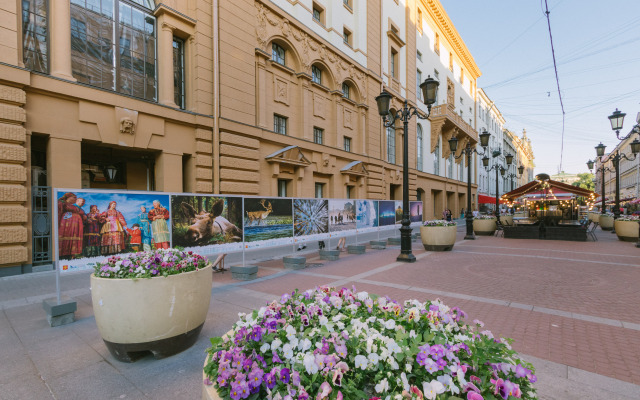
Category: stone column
[60,39]
[261,89]
[169,172]
[64,163]
[165,67]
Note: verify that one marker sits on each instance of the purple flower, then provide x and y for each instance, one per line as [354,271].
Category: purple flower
[521,371]
[276,358]
[255,377]
[474,396]
[285,375]
[256,334]
[295,378]
[236,391]
[270,380]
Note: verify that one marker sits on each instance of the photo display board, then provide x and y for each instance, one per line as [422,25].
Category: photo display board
[91,225]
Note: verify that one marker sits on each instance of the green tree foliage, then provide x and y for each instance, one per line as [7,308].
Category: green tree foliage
[585,181]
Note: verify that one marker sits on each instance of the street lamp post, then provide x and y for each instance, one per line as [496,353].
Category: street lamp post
[513,176]
[468,150]
[499,169]
[602,169]
[429,93]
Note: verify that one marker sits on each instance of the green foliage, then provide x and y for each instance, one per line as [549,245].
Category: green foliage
[585,181]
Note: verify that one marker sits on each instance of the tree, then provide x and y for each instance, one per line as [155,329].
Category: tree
[585,181]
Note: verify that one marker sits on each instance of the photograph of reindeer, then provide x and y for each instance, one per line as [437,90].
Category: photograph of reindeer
[206,220]
[415,211]
[367,214]
[386,212]
[267,219]
[342,215]
[398,207]
[310,217]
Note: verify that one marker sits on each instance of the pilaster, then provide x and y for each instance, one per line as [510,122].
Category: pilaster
[60,39]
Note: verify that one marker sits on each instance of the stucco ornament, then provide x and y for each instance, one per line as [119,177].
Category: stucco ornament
[127,125]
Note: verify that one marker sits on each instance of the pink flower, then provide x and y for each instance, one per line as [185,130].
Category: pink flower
[325,390]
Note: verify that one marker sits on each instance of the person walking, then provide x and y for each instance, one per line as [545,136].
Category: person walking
[448,215]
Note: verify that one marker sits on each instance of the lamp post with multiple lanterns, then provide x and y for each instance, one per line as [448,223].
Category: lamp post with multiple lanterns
[518,175]
[429,93]
[602,169]
[498,168]
[468,150]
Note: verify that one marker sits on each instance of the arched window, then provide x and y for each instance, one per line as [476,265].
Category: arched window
[436,159]
[391,144]
[419,146]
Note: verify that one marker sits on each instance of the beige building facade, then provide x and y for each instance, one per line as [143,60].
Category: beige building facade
[253,97]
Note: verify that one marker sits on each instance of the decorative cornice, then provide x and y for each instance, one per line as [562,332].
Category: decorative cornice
[444,24]
[164,9]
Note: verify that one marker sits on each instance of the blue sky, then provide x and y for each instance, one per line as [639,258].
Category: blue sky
[597,48]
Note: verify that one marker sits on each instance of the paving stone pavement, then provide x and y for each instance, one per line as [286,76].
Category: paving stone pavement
[571,309]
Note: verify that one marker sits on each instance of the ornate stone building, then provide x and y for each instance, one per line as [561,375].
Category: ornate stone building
[256,97]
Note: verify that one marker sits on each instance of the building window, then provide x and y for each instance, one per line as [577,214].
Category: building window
[461,76]
[347,37]
[450,61]
[418,82]
[318,13]
[35,35]
[347,144]
[319,190]
[436,159]
[419,145]
[391,144]
[318,135]
[316,75]
[280,124]
[348,3]
[394,63]
[346,90]
[282,188]
[278,54]
[436,44]
[450,169]
[178,72]
[350,192]
[419,55]
[113,46]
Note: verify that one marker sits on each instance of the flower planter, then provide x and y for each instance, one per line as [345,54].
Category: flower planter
[161,315]
[595,217]
[438,238]
[506,220]
[627,231]
[606,222]
[484,227]
[519,214]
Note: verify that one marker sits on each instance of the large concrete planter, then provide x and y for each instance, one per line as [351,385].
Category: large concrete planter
[438,238]
[595,217]
[484,227]
[161,315]
[506,219]
[627,230]
[606,222]
[519,214]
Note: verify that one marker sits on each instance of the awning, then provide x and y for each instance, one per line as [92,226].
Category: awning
[550,187]
[484,199]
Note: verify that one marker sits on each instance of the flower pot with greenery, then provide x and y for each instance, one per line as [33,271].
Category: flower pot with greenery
[627,228]
[153,301]
[484,225]
[341,344]
[438,235]
[606,221]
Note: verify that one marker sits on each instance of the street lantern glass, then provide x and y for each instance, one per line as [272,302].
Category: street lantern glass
[110,173]
[616,119]
[635,146]
[502,171]
[453,144]
[485,161]
[509,158]
[590,164]
[384,102]
[521,170]
[484,138]
[600,149]
[429,90]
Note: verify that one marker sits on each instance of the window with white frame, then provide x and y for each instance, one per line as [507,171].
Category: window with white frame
[391,144]
[436,159]
[419,144]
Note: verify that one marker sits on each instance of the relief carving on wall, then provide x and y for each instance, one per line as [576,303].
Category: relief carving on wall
[348,119]
[269,25]
[127,120]
[451,94]
[281,94]
[318,106]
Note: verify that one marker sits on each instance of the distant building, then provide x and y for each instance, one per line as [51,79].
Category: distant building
[565,177]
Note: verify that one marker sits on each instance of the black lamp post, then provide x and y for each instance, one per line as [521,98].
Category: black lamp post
[499,169]
[602,169]
[429,93]
[468,150]
[512,175]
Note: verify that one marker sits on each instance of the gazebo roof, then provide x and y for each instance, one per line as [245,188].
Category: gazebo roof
[545,185]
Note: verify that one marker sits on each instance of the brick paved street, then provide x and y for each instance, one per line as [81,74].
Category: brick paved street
[570,307]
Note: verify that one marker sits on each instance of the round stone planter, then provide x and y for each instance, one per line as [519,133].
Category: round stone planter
[394,241]
[595,217]
[506,219]
[438,238]
[378,244]
[294,262]
[162,315]
[356,249]
[484,227]
[331,255]
[606,222]
[627,230]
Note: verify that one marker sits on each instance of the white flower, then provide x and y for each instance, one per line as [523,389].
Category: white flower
[432,389]
[393,363]
[304,345]
[323,320]
[408,367]
[361,361]
[382,301]
[291,332]
[294,342]
[383,386]
[309,363]
[390,324]
[405,382]
[363,296]
[287,351]
[264,348]
[275,344]
[374,358]
[412,334]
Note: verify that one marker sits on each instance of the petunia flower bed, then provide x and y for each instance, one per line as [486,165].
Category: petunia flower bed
[439,222]
[633,218]
[149,264]
[342,344]
[485,217]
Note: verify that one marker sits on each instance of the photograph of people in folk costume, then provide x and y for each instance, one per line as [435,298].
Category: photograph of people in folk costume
[94,224]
